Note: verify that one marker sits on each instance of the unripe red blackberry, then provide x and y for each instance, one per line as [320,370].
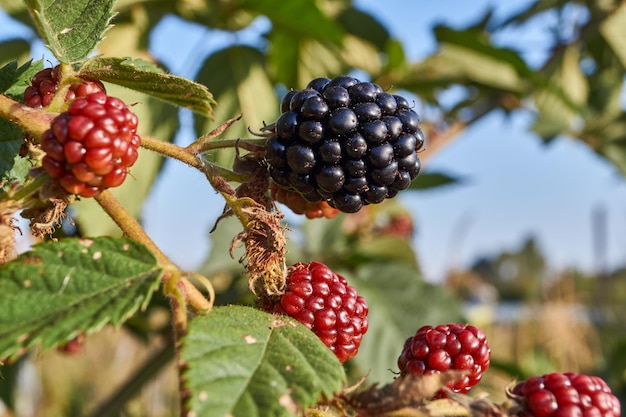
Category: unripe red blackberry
[346,142]
[90,147]
[45,84]
[566,395]
[325,303]
[452,346]
[299,205]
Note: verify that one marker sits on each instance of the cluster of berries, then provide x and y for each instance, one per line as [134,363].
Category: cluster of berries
[345,142]
[91,145]
[340,143]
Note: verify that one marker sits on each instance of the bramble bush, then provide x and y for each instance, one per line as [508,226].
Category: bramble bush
[273,347]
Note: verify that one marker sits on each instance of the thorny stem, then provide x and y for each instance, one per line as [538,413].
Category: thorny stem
[131,227]
[33,121]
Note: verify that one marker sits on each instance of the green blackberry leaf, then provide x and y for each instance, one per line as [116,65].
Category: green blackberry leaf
[13,81]
[243,362]
[428,180]
[10,49]
[147,78]
[237,78]
[71,29]
[364,26]
[311,22]
[613,29]
[59,289]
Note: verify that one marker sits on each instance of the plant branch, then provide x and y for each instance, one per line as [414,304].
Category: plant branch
[131,227]
[173,151]
[33,121]
[151,367]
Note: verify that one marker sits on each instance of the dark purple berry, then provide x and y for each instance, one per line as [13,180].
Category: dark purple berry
[337,97]
[344,81]
[367,111]
[287,125]
[355,146]
[347,202]
[301,183]
[402,181]
[406,145]
[394,127]
[387,103]
[318,84]
[301,159]
[355,167]
[330,178]
[356,185]
[386,175]
[374,132]
[361,92]
[286,101]
[421,139]
[402,103]
[311,131]
[342,121]
[314,108]
[381,155]
[341,141]
[300,97]
[375,194]
[275,153]
[410,120]
[330,151]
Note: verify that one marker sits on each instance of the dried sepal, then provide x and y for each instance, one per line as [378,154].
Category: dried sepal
[265,243]
[47,211]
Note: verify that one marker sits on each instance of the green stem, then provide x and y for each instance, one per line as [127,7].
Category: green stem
[231,143]
[131,227]
[33,121]
[173,151]
[151,367]
[26,191]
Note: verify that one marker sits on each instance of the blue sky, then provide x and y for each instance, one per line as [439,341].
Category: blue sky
[514,186]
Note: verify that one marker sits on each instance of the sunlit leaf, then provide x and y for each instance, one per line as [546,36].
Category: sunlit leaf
[237,78]
[71,30]
[365,26]
[428,180]
[147,78]
[311,22]
[13,81]
[13,49]
[243,362]
[59,289]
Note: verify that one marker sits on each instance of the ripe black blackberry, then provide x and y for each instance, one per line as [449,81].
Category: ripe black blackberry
[346,142]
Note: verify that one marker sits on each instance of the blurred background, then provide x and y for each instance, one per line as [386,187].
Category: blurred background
[516,224]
